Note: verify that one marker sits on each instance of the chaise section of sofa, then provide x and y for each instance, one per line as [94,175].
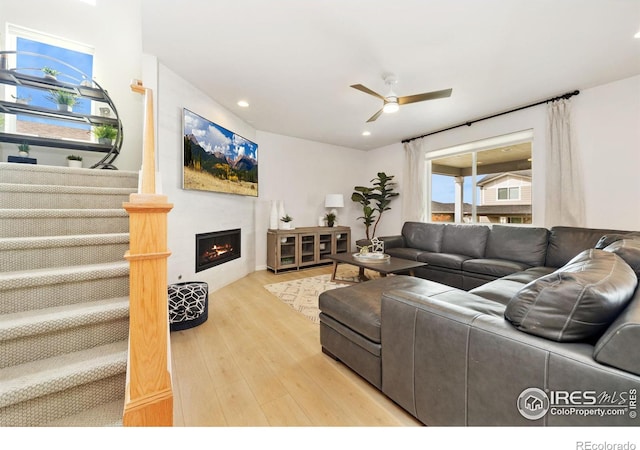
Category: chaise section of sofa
[463,357]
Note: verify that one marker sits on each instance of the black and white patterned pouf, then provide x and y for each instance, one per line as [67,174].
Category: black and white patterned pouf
[188,304]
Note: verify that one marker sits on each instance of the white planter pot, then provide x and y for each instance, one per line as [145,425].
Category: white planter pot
[106,141]
[74,163]
[23,154]
[65,108]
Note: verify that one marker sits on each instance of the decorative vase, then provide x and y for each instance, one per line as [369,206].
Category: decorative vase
[273,217]
[281,214]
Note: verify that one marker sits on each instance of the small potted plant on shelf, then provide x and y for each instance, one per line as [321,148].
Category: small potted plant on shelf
[74,161]
[50,73]
[23,150]
[65,100]
[331,219]
[286,221]
[105,133]
[22,100]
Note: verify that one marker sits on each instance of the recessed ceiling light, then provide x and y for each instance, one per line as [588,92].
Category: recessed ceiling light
[243,103]
[366,133]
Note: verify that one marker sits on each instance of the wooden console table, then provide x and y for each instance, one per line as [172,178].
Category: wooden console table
[305,246]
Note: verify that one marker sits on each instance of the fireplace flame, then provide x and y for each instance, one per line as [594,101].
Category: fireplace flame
[216,251]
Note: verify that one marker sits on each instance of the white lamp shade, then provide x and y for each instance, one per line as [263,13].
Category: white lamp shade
[334,201]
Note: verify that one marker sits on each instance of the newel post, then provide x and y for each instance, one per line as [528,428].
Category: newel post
[149,396]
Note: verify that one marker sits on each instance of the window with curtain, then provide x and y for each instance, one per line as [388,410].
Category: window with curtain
[487,181]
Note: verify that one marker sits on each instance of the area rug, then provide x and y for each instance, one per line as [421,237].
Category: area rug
[302,294]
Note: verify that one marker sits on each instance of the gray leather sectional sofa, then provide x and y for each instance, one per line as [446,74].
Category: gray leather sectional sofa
[505,326]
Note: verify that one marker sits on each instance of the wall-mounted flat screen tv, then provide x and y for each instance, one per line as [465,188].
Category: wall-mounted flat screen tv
[216,159]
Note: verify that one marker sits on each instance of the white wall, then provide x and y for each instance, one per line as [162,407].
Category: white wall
[113,29]
[607,122]
[198,211]
[301,173]
[606,128]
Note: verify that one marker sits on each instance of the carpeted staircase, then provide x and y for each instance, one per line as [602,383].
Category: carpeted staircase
[64,285]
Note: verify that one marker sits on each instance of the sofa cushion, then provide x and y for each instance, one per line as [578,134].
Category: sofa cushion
[448,260]
[404,252]
[567,242]
[629,250]
[516,243]
[358,306]
[469,240]
[424,236]
[576,302]
[503,289]
[493,267]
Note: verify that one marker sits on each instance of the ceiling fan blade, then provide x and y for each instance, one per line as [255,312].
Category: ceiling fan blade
[366,90]
[422,97]
[375,116]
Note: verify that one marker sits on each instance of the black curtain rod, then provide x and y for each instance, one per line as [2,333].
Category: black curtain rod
[566,96]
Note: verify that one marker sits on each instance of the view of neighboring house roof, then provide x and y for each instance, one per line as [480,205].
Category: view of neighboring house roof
[516,173]
[445,208]
[505,210]
[483,210]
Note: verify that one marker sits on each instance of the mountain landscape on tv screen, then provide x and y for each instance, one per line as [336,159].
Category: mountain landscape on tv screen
[218,160]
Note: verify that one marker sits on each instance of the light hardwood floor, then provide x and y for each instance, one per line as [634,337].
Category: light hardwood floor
[257,362]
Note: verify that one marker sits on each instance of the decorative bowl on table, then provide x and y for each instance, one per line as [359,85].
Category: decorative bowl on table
[371,257]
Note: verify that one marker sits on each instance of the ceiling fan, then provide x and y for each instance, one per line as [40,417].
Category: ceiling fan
[392,102]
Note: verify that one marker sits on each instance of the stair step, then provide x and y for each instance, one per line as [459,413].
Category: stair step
[43,391]
[54,175]
[105,415]
[54,251]
[39,334]
[36,196]
[46,288]
[62,222]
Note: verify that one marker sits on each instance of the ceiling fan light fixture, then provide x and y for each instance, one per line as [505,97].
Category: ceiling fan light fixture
[391,107]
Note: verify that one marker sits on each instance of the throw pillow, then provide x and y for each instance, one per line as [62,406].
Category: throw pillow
[629,250]
[609,239]
[576,302]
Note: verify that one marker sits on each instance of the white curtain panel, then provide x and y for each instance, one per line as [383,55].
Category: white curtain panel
[564,203]
[414,185]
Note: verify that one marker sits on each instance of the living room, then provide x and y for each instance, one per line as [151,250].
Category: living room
[299,171]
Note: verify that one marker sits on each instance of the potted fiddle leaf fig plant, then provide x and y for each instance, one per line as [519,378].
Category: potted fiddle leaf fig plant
[64,99]
[374,200]
[105,133]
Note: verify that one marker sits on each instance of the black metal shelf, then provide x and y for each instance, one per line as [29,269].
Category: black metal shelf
[89,90]
[14,78]
[48,113]
[15,138]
